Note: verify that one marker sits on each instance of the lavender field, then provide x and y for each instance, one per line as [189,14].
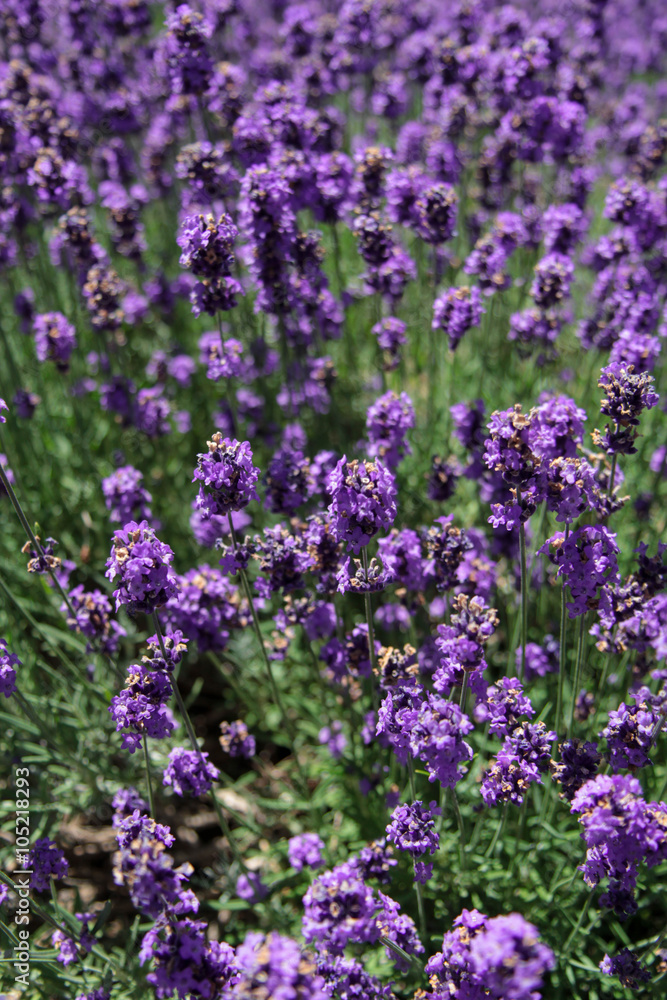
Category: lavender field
[333,589]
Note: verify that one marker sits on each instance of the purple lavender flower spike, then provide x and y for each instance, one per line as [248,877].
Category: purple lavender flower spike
[8,663]
[227,475]
[47,861]
[363,501]
[305,851]
[124,496]
[143,564]
[236,740]
[509,958]
[388,420]
[457,311]
[340,909]
[280,965]
[185,772]
[184,961]
[627,966]
[55,339]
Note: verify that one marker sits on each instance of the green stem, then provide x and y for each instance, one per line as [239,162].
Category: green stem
[612,475]
[149,784]
[462,832]
[224,825]
[577,672]
[501,823]
[33,538]
[464,691]
[371,635]
[289,726]
[561,650]
[577,927]
[411,779]
[524,590]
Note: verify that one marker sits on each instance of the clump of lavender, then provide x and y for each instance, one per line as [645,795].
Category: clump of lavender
[227,475]
[305,851]
[207,245]
[375,861]
[388,420]
[339,909]
[437,739]
[523,758]
[47,861]
[626,395]
[578,764]
[586,559]
[626,965]
[289,481]
[8,664]
[442,479]
[456,311]
[363,501]
[124,496]
[185,772]
[446,547]
[184,960]
[390,333]
[143,564]
[55,339]
[621,830]
[279,965]
[629,736]
[144,867]
[92,618]
[500,957]
[236,740]
[412,829]
[509,959]
[141,707]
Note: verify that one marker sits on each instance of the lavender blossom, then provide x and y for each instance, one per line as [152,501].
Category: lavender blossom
[363,501]
[185,772]
[8,663]
[142,562]
[227,475]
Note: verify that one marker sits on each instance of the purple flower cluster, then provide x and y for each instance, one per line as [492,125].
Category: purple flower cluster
[388,420]
[8,664]
[339,908]
[276,966]
[621,830]
[523,758]
[124,496]
[586,559]
[629,735]
[47,861]
[144,867]
[305,851]
[412,829]
[93,619]
[461,645]
[236,740]
[457,311]
[55,339]
[141,707]
[227,475]
[501,957]
[189,773]
[578,764]
[184,961]
[627,966]
[626,396]
[143,564]
[363,501]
